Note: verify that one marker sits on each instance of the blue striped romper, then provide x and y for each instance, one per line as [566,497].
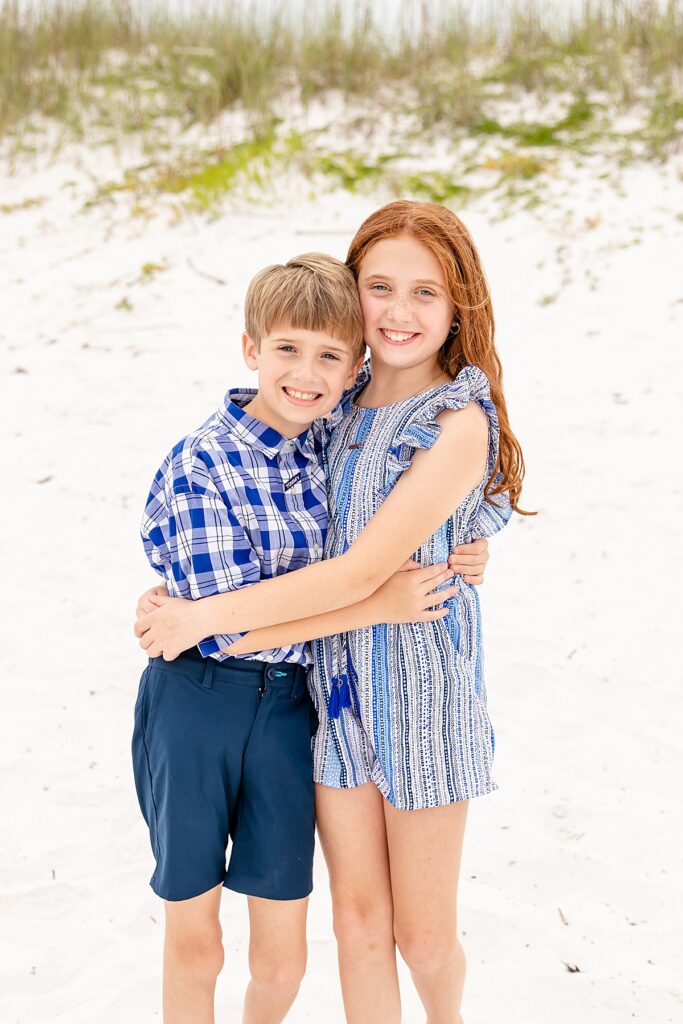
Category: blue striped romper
[404,705]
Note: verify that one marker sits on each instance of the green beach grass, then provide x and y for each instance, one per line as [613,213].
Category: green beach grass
[75,70]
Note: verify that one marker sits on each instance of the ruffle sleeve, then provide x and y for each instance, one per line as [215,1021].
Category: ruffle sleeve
[420,430]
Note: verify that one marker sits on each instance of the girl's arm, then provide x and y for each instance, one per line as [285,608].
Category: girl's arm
[407,596]
[437,482]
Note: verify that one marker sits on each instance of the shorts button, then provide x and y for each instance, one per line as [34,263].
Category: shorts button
[270,673]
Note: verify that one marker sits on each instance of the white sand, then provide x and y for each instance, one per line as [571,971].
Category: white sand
[577,860]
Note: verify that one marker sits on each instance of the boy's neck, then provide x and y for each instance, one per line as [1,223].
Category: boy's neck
[264,414]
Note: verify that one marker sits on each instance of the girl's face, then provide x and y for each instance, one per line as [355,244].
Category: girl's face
[406,307]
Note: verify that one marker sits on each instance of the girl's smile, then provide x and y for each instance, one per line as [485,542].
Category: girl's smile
[398,337]
[407,313]
[406,306]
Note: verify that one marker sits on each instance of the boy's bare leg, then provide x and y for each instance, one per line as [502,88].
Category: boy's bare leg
[193,958]
[277,958]
[352,832]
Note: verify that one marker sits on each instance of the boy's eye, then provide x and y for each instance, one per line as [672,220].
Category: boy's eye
[286,348]
[378,287]
[331,355]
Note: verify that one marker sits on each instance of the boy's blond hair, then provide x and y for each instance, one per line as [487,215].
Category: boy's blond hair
[313,292]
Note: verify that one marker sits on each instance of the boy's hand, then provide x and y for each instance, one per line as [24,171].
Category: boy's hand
[408,596]
[469,560]
[170,628]
[146,602]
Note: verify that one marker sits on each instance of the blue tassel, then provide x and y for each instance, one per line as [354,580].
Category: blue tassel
[333,706]
[344,692]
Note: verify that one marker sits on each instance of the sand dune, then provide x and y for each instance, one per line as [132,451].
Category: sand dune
[576,862]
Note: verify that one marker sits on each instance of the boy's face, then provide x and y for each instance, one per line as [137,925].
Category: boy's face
[301,376]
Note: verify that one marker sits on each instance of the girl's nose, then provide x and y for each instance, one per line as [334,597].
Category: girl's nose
[399,310]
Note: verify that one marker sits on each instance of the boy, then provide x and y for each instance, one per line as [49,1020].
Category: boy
[222,745]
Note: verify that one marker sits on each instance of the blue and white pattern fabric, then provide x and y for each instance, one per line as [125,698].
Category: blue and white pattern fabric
[233,503]
[411,711]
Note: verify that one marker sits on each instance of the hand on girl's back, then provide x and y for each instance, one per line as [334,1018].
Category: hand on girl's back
[469,560]
[408,595]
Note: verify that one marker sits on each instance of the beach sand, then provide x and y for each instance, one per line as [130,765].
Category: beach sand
[571,882]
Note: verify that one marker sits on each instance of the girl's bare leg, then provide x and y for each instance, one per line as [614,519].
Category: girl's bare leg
[351,828]
[277,958]
[425,849]
[193,958]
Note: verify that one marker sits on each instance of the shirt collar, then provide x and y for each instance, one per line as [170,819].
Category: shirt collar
[257,434]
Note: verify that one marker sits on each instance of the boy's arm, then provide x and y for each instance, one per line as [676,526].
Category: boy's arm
[407,596]
[437,482]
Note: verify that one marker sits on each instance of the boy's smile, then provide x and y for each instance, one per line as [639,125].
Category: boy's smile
[301,376]
[302,397]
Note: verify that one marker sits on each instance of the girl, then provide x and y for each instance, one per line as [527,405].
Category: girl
[425,459]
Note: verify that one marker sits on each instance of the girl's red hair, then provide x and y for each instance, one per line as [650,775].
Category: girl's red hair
[444,234]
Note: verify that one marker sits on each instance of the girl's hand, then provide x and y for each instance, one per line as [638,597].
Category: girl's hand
[408,596]
[469,560]
[146,602]
[171,627]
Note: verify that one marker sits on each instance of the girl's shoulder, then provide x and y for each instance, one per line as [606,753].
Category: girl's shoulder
[420,427]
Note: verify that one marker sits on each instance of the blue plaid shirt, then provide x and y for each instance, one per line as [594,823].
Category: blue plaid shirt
[234,503]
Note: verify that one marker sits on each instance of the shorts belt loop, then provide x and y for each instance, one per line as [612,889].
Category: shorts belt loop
[209,667]
[296,681]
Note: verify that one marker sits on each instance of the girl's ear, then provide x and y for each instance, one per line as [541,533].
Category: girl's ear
[249,351]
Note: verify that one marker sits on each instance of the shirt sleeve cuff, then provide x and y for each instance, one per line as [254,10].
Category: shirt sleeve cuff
[213,644]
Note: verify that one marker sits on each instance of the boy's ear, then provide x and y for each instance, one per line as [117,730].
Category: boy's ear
[355,369]
[249,351]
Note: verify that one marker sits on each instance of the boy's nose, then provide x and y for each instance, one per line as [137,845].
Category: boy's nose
[305,375]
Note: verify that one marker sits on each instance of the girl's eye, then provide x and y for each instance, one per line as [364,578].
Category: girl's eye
[427,292]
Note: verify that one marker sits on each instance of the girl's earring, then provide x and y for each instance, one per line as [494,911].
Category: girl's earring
[455,328]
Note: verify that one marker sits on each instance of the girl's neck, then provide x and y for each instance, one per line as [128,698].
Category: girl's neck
[389,385]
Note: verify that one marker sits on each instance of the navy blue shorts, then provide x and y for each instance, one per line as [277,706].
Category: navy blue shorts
[222,750]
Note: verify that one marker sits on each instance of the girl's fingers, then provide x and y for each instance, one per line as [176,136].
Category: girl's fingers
[433,572]
[439,597]
[141,626]
[432,616]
